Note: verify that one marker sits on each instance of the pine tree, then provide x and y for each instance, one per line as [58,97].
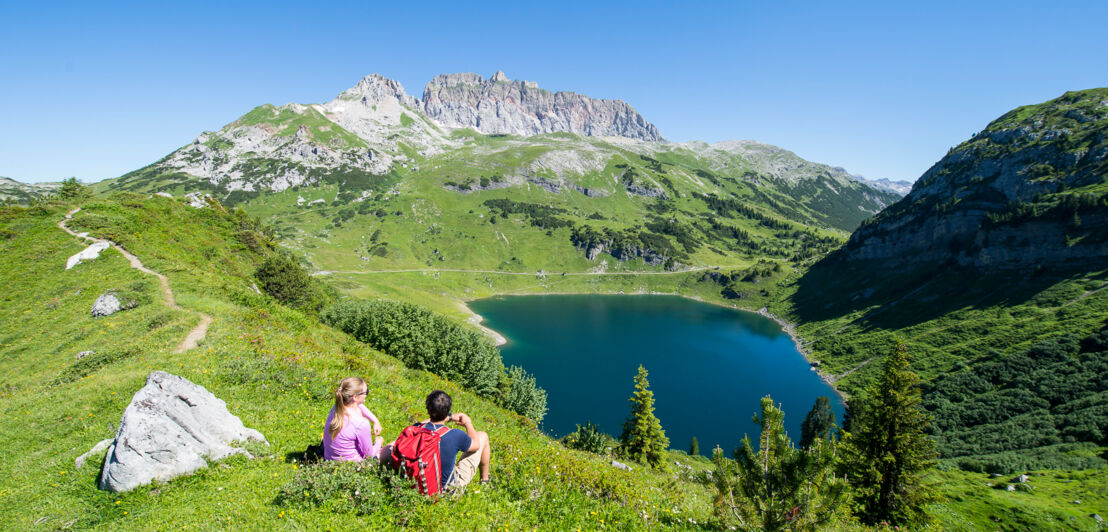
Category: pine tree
[818,424]
[72,189]
[643,438]
[778,486]
[888,452]
[694,447]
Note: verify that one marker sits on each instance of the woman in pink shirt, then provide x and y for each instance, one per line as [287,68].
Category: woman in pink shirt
[351,427]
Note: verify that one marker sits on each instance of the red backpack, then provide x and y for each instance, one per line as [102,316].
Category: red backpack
[417,452]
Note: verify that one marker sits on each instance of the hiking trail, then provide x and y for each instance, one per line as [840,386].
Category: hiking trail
[197,333]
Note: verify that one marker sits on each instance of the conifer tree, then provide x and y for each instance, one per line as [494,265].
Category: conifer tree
[778,486]
[72,189]
[694,447]
[643,438]
[888,452]
[818,424]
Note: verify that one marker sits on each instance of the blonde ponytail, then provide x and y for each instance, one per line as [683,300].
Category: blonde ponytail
[344,395]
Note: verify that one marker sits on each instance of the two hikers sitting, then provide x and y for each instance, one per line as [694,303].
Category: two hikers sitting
[426,451]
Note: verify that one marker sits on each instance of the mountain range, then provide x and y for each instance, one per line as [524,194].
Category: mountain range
[992,271]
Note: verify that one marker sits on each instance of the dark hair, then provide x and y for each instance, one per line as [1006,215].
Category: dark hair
[438,405]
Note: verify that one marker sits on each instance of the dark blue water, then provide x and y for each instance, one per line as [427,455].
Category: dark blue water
[709,366]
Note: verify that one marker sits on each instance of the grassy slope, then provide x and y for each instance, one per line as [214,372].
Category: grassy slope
[274,367]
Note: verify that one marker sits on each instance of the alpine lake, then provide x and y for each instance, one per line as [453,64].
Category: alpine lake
[709,366]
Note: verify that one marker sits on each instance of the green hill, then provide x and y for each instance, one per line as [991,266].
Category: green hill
[993,270]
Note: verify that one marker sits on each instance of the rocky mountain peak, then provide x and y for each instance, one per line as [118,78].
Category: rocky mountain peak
[375,88]
[499,105]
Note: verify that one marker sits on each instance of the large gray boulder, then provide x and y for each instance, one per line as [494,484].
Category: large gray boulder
[105,305]
[172,427]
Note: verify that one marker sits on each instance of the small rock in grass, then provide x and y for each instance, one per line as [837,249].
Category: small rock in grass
[84,354]
[621,465]
[105,305]
[80,461]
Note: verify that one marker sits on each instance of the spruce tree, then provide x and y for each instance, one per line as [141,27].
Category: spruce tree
[643,438]
[72,189]
[888,452]
[818,424]
[694,447]
[778,486]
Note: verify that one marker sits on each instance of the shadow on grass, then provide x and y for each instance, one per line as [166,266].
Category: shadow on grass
[891,299]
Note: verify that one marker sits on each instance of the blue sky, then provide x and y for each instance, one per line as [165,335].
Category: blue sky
[96,89]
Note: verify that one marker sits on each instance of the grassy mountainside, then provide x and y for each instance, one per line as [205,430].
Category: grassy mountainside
[993,270]
[493,211]
[275,368]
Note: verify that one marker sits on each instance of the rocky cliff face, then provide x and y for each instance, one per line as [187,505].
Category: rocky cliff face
[1027,191]
[502,106]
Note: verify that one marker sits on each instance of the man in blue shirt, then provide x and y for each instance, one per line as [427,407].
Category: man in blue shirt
[473,444]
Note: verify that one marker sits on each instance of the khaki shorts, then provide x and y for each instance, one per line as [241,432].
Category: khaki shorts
[464,470]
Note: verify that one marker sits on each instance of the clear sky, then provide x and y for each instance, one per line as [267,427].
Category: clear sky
[96,89]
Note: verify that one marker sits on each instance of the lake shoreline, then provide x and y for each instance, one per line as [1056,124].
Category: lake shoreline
[787,327]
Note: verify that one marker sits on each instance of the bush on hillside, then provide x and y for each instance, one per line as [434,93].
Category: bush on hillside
[422,339]
[588,437]
[358,487]
[283,278]
[519,393]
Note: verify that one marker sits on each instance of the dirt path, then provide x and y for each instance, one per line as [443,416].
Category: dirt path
[197,333]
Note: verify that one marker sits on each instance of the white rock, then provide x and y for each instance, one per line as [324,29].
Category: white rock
[105,305]
[80,461]
[89,253]
[172,427]
[621,465]
[164,194]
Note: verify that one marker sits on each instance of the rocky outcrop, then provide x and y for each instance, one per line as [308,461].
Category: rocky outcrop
[89,253]
[501,106]
[1012,197]
[106,305]
[172,427]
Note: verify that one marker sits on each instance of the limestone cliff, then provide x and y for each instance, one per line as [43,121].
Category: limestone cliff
[1028,191]
[501,106]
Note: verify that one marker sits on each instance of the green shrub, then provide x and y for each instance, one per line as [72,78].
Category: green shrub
[283,278]
[343,487]
[519,393]
[588,438]
[422,340]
